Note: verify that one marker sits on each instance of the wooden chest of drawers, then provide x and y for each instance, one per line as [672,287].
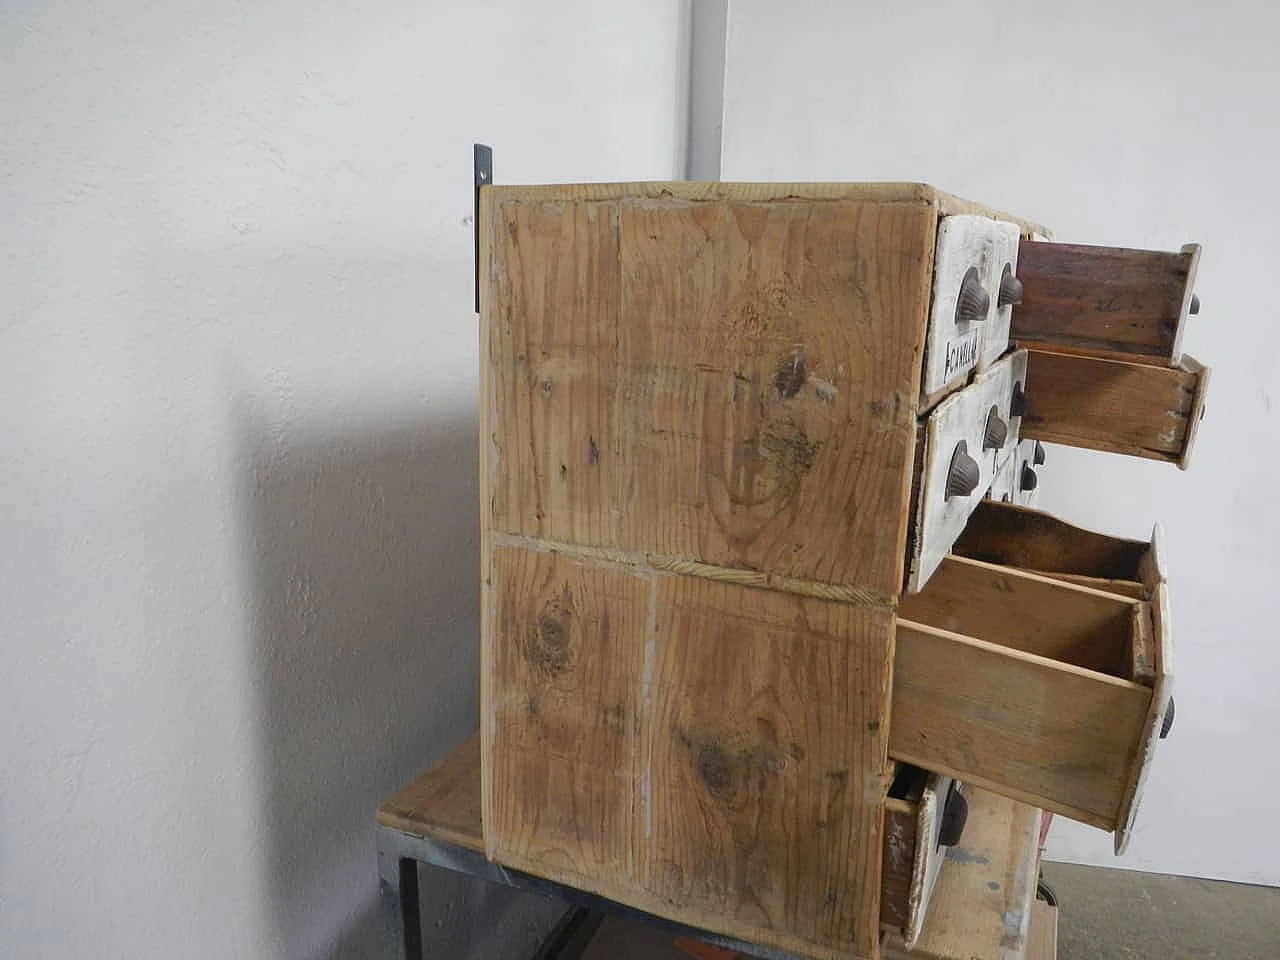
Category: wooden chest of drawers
[730,437]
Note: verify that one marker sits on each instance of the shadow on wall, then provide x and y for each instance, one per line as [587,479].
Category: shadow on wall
[363,565]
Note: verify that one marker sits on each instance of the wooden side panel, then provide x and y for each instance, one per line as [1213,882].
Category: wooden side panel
[1036,731]
[1026,612]
[728,382]
[1110,300]
[769,764]
[551,327]
[1161,702]
[565,757]
[1015,536]
[1113,405]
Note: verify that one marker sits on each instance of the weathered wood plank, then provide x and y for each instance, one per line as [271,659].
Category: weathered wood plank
[1112,405]
[444,802]
[897,861]
[768,766]
[563,733]
[1142,651]
[550,327]
[726,382]
[1109,300]
[710,191]
[1016,536]
[1026,612]
[1041,732]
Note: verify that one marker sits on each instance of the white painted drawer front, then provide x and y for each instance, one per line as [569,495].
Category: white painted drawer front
[959,428]
[964,262]
[929,853]
[1004,293]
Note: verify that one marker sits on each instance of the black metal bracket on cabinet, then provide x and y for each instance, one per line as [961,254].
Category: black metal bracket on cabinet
[482,166]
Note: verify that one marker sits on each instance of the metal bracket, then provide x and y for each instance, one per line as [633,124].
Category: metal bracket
[482,164]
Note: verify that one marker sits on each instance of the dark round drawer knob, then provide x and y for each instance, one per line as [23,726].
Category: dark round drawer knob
[1010,288]
[1018,401]
[962,476]
[1027,480]
[996,432]
[1167,724]
[1194,307]
[955,814]
[1037,455]
[973,302]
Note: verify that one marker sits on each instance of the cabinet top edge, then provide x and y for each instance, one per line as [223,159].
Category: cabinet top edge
[944,204]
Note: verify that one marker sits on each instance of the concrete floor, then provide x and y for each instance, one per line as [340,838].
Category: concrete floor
[1103,914]
[1108,914]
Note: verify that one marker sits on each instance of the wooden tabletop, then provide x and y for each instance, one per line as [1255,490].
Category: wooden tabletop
[983,907]
[443,803]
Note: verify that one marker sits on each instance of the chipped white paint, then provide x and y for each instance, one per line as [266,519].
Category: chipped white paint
[899,852]
[995,336]
[952,346]
[960,417]
[928,855]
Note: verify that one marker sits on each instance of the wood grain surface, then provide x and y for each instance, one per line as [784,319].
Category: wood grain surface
[564,734]
[1035,730]
[444,802]
[711,752]
[1126,303]
[1114,406]
[943,204]
[1161,683]
[768,760]
[1024,611]
[897,861]
[725,382]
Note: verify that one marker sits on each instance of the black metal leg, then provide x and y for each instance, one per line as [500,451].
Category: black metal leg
[398,895]
[572,935]
[399,855]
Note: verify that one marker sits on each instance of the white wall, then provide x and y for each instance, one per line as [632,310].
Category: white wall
[1144,124]
[237,467]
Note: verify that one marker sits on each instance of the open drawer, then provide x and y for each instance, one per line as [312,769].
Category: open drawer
[1036,663]
[924,814]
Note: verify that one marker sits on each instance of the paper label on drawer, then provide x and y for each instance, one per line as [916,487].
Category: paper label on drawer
[962,353]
